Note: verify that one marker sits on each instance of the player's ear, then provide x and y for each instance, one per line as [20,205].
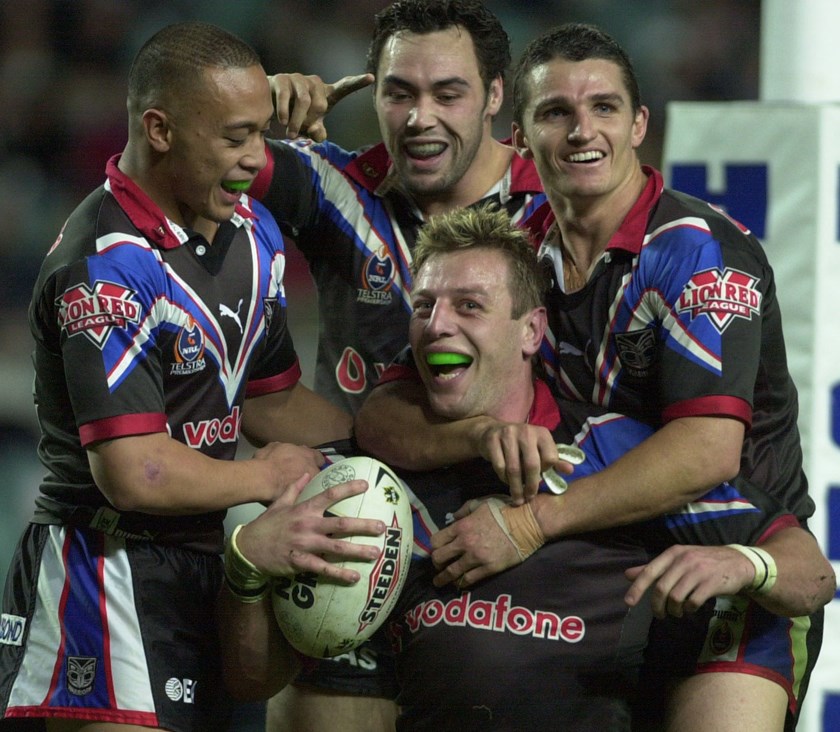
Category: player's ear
[157,129]
[495,96]
[640,122]
[520,142]
[534,325]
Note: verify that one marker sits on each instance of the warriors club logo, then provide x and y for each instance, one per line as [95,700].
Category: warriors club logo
[95,312]
[637,351]
[721,296]
[81,672]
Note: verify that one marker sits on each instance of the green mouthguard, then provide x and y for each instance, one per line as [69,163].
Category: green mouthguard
[446,359]
[237,185]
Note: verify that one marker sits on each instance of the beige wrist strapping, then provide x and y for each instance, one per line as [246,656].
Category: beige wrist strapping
[520,526]
[242,578]
[765,568]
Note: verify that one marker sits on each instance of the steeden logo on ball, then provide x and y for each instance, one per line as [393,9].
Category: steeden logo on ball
[322,618]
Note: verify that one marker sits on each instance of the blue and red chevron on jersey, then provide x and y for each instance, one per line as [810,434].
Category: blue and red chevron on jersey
[164,331]
[357,231]
[679,318]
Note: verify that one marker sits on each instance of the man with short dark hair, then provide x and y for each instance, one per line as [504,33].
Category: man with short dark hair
[160,336]
[439,69]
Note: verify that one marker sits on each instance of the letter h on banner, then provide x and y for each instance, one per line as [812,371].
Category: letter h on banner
[745,198]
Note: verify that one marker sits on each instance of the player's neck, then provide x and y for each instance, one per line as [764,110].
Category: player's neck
[208,229]
[489,166]
[587,224]
[517,400]
[153,178]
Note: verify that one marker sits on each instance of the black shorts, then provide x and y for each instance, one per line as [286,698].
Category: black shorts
[111,630]
[366,671]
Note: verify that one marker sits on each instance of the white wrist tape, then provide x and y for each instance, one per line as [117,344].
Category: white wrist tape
[765,568]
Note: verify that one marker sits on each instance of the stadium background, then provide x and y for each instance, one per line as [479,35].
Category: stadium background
[63,65]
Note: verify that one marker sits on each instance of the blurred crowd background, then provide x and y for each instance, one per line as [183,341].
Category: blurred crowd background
[63,66]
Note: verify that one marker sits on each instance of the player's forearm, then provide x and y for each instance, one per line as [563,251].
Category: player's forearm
[159,475]
[257,660]
[674,466]
[396,426]
[805,578]
[296,415]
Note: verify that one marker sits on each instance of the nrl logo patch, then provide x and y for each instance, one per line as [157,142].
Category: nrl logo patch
[81,672]
[188,350]
[377,277]
[637,351]
[721,296]
[96,312]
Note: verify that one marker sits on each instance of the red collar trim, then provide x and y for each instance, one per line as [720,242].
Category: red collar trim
[544,410]
[370,168]
[630,234]
[144,213]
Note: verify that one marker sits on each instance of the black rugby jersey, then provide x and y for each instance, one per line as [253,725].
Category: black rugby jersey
[141,326]
[680,318]
[357,233]
[549,643]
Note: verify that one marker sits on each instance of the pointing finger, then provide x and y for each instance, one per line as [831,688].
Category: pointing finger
[347,85]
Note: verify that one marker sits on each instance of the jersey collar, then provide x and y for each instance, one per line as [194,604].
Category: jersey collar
[146,215]
[370,168]
[630,234]
[523,174]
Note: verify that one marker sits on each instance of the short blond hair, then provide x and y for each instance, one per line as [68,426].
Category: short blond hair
[489,228]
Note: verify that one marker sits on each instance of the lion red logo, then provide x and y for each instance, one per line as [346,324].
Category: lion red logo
[95,312]
[721,296]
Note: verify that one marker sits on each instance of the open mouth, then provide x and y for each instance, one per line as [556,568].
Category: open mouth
[447,364]
[236,186]
[425,150]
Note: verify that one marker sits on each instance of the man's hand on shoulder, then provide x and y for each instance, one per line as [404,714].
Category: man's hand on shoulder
[519,453]
[301,101]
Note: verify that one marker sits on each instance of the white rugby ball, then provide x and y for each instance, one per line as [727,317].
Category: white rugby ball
[322,618]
